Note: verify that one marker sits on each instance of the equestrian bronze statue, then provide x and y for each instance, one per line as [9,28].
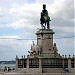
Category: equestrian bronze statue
[44,20]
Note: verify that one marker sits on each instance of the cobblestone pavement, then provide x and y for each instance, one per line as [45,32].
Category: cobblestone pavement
[40,74]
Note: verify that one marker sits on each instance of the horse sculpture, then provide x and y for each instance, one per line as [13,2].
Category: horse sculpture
[35,50]
[44,17]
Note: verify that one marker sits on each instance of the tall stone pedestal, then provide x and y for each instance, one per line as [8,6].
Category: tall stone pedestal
[45,41]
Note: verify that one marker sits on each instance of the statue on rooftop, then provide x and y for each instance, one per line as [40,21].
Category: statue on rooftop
[55,49]
[35,50]
[44,17]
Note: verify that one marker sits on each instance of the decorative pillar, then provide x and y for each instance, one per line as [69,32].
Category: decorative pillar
[74,60]
[63,61]
[69,62]
[24,56]
[65,56]
[23,63]
[27,62]
[16,69]
[40,65]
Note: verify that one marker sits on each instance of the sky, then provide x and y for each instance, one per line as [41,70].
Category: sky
[20,19]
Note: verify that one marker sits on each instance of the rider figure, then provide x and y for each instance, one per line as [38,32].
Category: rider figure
[44,16]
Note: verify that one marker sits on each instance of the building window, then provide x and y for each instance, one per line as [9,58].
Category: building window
[33,63]
[66,63]
[72,63]
[51,63]
[20,63]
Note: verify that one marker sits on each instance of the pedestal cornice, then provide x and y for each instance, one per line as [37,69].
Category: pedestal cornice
[45,31]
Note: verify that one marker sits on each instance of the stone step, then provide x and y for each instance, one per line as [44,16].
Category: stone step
[53,70]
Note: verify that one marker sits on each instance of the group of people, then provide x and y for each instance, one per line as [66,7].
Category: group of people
[8,69]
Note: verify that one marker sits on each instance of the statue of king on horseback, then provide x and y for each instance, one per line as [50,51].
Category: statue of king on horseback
[44,18]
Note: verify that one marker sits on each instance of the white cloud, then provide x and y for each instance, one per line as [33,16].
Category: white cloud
[13,11]
[23,24]
[28,15]
[1,12]
[60,9]
[12,47]
[8,36]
